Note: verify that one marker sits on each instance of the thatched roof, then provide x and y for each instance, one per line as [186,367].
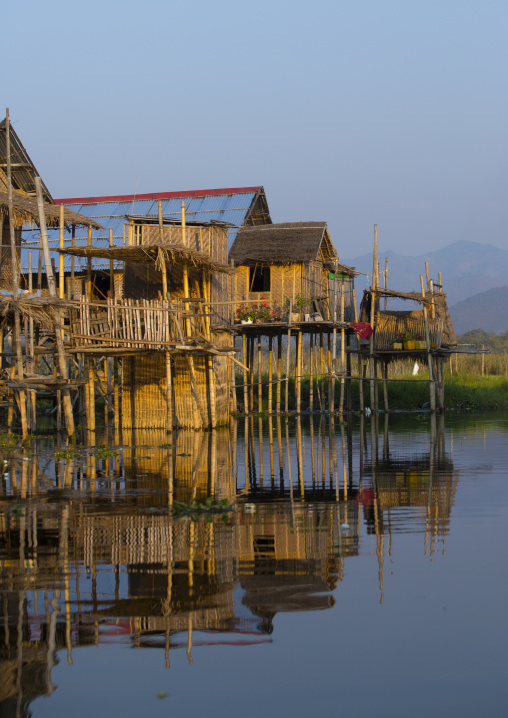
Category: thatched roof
[26,211]
[36,306]
[155,252]
[23,171]
[284,243]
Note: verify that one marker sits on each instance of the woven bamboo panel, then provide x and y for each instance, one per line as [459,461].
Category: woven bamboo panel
[390,325]
[144,397]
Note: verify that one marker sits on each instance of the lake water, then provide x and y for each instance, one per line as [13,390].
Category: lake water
[355,569]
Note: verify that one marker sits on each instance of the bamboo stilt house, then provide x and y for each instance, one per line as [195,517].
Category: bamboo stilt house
[122,216]
[176,371]
[393,326]
[292,260]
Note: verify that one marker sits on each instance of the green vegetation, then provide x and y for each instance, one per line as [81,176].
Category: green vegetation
[195,509]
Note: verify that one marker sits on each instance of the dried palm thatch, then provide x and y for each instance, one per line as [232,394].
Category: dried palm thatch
[25,210]
[33,306]
[156,252]
[285,243]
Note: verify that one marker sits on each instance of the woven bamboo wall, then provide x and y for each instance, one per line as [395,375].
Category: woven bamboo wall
[390,325]
[212,240]
[285,282]
[145,405]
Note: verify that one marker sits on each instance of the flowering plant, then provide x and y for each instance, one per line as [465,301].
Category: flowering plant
[246,312]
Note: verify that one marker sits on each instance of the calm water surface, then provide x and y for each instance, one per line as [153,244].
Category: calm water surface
[351,569]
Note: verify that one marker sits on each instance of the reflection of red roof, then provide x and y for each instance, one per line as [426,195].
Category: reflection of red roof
[157,195]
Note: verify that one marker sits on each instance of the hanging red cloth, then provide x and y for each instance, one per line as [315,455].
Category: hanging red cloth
[363,329]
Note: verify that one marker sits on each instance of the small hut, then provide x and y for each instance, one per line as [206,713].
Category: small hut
[292,260]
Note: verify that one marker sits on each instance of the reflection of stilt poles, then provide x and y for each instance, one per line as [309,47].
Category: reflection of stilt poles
[298,438]
[279,371]
[270,435]
[290,478]
[270,373]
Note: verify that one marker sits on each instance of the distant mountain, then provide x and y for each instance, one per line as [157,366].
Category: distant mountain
[487,311]
[467,268]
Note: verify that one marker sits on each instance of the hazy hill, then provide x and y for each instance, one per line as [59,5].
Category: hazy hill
[487,311]
[467,268]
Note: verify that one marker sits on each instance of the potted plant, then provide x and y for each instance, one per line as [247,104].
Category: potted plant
[246,314]
[409,342]
[398,343]
[299,304]
[420,342]
[263,312]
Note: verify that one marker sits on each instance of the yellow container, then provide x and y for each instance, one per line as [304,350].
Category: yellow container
[410,345]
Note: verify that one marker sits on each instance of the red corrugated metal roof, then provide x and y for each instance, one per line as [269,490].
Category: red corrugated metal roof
[157,195]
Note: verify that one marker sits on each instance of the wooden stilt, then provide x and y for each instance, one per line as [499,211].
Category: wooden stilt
[251,374]
[245,376]
[432,389]
[288,357]
[62,364]
[384,372]
[270,373]
[311,373]
[288,352]
[15,283]
[260,385]
[279,371]
[299,373]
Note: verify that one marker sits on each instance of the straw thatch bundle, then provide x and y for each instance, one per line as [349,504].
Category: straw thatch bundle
[284,243]
[33,306]
[25,210]
[155,252]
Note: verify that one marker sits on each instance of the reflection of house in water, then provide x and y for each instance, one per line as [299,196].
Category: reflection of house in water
[105,559]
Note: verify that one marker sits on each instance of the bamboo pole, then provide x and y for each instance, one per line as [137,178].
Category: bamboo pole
[89,290]
[31,346]
[69,419]
[288,357]
[245,375]
[311,373]
[372,319]
[270,373]
[15,285]
[260,386]
[299,373]
[342,352]
[279,372]
[384,374]
[111,267]
[429,355]
[61,274]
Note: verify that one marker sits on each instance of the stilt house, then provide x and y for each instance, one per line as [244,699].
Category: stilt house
[292,260]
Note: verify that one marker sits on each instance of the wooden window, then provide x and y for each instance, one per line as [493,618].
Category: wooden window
[259,279]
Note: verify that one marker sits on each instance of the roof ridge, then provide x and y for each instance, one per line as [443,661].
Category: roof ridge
[157,195]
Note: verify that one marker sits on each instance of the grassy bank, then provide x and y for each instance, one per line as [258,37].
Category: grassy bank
[463,391]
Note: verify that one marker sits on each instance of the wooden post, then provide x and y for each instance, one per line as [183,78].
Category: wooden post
[429,355]
[372,320]
[15,285]
[311,373]
[245,363]
[386,282]
[111,267]
[342,351]
[260,385]
[61,274]
[89,289]
[288,352]
[116,402]
[69,419]
[384,373]
[270,373]
[299,373]
[279,371]
[251,374]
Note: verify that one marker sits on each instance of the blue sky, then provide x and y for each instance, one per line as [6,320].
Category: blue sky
[355,111]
